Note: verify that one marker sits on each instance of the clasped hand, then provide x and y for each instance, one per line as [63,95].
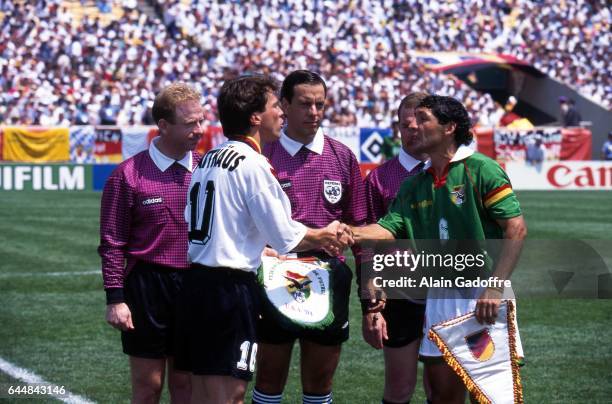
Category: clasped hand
[336,237]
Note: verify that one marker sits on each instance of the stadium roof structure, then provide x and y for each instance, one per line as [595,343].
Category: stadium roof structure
[500,75]
[503,76]
[460,62]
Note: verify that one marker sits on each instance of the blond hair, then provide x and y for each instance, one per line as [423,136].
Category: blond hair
[412,100]
[169,97]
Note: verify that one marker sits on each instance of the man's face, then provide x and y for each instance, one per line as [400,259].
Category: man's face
[408,129]
[187,127]
[271,120]
[431,134]
[305,111]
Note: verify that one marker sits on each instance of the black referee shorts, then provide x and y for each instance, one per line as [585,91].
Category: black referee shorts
[404,322]
[217,312]
[271,331]
[150,292]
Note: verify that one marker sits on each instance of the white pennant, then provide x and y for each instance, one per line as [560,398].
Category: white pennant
[483,355]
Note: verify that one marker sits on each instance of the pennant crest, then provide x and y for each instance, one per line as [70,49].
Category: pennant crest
[298,286]
[332,190]
[298,291]
[481,345]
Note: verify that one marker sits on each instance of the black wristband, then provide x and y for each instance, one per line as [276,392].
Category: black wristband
[114,295]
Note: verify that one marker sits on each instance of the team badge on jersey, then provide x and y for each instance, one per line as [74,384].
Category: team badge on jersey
[332,190]
[458,195]
[298,290]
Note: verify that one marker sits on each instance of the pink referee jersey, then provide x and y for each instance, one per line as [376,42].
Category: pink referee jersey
[322,180]
[141,215]
[383,183]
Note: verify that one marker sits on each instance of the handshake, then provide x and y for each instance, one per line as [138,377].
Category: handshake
[335,238]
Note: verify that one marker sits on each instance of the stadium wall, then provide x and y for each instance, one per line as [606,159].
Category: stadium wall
[81,158]
[54,176]
[544,93]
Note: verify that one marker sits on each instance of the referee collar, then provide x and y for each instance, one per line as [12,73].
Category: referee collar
[293,146]
[409,162]
[163,162]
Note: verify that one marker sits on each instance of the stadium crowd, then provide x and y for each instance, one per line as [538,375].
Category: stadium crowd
[54,73]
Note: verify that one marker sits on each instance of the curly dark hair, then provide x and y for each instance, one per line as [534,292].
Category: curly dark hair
[448,109]
[240,98]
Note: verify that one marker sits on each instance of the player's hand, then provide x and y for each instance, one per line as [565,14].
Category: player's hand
[374,329]
[376,305]
[271,252]
[345,234]
[376,298]
[332,238]
[487,306]
[119,316]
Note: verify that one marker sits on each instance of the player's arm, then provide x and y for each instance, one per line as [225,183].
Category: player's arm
[515,231]
[271,211]
[374,329]
[333,238]
[114,235]
[371,232]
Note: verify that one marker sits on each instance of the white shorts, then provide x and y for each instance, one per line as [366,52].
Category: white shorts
[447,303]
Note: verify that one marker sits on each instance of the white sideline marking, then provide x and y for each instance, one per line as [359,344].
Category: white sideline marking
[28,377]
[26,274]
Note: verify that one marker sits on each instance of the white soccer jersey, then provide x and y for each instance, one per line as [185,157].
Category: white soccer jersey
[235,207]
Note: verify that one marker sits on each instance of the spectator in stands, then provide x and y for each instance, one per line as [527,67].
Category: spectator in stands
[108,113]
[606,151]
[364,49]
[569,114]
[535,152]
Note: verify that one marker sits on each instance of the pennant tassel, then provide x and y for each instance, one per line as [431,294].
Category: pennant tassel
[449,358]
[516,376]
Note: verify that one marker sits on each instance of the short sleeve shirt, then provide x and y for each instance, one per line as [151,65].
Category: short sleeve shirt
[462,205]
[235,207]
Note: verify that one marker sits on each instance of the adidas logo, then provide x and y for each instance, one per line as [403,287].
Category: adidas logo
[151,201]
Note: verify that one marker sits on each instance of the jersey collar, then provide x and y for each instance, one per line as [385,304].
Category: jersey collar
[163,162]
[293,146]
[252,143]
[462,153]
[407,161]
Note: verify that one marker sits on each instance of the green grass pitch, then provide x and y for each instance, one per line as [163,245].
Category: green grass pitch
[52,307]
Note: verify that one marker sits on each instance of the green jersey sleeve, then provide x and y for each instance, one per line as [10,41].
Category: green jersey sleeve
[397,219]
[498,197]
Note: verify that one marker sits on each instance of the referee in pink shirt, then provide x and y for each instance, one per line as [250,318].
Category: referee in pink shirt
[143,243]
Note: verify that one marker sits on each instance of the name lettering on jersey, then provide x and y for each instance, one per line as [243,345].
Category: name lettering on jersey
[458,195]
[227,158]
[421,204]
[153,201]
[332,190]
